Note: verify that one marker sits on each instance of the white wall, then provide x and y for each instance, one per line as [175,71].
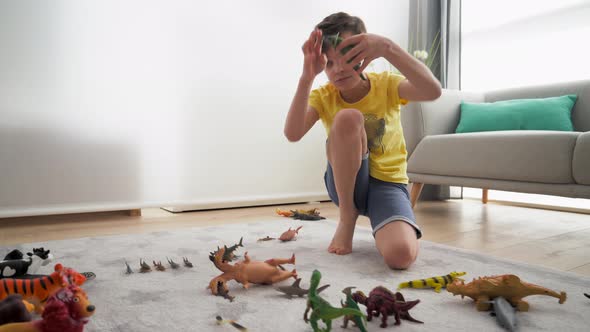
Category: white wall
[123,104]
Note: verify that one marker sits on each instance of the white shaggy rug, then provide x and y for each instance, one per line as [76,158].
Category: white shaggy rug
[177,300]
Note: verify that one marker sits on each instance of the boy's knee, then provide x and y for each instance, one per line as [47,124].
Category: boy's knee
[400,256]
[348,120]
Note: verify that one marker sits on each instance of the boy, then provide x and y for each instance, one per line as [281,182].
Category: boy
[366,172]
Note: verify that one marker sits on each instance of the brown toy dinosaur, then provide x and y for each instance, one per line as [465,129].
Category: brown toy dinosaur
[508,286]
[249,271]
[382,301]
[289,234]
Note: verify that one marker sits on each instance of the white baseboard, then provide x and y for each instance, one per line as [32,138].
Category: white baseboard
[249,201]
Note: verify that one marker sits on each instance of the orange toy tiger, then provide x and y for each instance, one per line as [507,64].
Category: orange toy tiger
[38,290]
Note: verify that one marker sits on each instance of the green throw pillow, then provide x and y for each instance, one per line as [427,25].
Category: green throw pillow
[553,113]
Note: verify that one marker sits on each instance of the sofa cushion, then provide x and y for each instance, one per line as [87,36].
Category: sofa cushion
[532,156]
[554,113]
[581,160]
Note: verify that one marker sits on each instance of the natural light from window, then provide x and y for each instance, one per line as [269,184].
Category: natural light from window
[508,43]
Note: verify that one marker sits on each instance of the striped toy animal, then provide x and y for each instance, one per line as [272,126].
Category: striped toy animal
[38,290]
[435,282]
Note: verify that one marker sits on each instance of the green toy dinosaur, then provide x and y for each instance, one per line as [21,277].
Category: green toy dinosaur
[350,303]
[334,41]
[321,309]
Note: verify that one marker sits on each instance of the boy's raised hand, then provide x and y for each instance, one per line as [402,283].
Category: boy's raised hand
[367,47]
[314,61]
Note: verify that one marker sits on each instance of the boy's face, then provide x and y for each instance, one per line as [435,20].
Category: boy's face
[336,69]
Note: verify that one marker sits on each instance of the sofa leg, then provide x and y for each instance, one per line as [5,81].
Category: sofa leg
[415,193]
[484,196]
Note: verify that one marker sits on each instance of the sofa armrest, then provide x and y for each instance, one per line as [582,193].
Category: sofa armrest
[441,116]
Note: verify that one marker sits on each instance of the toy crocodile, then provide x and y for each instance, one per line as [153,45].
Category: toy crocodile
[321,309]
[350,303]
[435,282]
[296,290]
[509,286]
[228,255]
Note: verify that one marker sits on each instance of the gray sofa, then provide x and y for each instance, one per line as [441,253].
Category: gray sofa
[539,162]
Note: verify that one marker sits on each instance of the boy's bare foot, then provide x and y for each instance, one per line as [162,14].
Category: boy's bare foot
[342,241]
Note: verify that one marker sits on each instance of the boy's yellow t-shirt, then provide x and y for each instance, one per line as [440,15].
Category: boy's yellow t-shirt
[381,109]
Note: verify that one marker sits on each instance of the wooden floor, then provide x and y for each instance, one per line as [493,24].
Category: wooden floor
[555,239]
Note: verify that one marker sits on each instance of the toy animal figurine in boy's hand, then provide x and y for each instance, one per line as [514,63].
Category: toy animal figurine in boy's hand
[435,282]
[382,301]
[68,310]
[289,234]
[509,286]
[249,271]
[321,309]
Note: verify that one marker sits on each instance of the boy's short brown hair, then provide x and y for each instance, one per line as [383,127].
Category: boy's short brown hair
[338,23]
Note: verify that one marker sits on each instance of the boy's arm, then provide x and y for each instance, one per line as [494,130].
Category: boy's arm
[419,85]
[301,116]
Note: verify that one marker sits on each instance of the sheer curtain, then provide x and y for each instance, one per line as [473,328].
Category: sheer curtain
[431,21]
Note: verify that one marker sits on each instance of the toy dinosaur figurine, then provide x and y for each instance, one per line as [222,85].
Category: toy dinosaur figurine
[15,265]
[509,286]
[173,264]
[350,303]
[267,238]
[313,214]
[186,262]
[66,311]
[159,266]
[249,271]
[223,293]
[128,269]
[296,290]
[321,309]
[230,322]
[435,282]
[289,234]
[229,252]
[144,267]
[382,301]
[306,216]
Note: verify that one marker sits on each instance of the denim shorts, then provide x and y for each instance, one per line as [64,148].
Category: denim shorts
[382,202]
